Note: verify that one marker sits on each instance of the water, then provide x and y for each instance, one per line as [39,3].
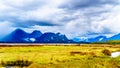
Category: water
[115,54]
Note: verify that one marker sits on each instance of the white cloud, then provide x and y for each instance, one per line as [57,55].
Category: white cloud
[75,20]
[111,21]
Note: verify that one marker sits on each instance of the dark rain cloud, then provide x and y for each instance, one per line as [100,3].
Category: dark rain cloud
[28,24]
[78,4]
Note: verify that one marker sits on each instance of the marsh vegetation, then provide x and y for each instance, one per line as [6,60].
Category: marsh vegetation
[60,56]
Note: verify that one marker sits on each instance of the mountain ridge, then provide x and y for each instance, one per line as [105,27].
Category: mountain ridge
[20,36]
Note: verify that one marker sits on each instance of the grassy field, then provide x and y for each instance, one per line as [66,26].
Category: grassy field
[60,56]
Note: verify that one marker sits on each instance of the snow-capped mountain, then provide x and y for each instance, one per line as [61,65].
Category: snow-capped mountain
[52,37]
[115,37]
[97,39]
[104,38]
[16,36]
[20,36]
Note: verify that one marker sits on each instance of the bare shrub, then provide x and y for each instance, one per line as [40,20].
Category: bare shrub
[106,52]
[20,63]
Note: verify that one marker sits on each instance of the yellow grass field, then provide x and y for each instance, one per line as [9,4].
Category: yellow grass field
[59,56]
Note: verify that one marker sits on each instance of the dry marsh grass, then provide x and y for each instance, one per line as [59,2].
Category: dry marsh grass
[60,56]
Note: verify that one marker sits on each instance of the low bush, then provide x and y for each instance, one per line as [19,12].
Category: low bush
[19,63]
[106,52]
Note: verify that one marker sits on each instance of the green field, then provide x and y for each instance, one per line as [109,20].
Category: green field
[59,56]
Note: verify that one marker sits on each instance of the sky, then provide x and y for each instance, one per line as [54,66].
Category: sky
[74,18]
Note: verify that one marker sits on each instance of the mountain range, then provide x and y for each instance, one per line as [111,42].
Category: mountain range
[105,39]
[99,39]
[20,36]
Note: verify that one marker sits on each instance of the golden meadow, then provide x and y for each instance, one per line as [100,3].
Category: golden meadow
[59,56]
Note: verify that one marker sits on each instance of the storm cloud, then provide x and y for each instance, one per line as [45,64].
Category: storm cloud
[73,18]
